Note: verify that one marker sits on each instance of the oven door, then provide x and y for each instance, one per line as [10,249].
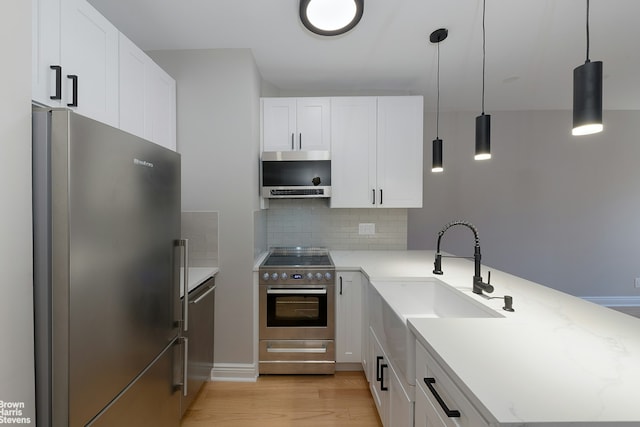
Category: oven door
[297,312]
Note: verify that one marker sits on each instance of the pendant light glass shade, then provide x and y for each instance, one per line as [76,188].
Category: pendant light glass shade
[587,94]
[437,156]
[587,99]
[483,137]
[330,17]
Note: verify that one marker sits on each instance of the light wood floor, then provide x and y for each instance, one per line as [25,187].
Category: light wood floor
[340,400]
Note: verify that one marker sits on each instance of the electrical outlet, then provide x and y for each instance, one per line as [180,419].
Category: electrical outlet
[367,228]
[637,282]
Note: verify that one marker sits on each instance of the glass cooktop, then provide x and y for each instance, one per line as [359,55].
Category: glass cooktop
[294,257]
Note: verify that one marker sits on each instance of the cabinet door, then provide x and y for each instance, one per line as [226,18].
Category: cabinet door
[400,405]
[364,332]
[313,124]
[348,317]
[278,124]
[379,374]
[353,152]
[90,52]
[425,414]
[133,76]
[160,106]
[399,151]
[450,395]
[45,51]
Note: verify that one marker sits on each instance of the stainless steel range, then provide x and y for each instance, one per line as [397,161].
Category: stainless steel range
[297,312]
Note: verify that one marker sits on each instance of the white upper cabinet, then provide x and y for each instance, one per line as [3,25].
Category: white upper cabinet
[399,151]
[376,152]
[89,52]
[295,124]
[81,61]
[46,70]
[133,86]
[353,151]
[147,97]
[160,105]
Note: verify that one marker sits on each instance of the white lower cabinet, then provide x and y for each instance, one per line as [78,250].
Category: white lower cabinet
[395,406]
[348,317]
[439,402]
[377,368]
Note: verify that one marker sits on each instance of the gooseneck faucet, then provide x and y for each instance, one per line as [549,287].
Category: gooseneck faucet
[478,284]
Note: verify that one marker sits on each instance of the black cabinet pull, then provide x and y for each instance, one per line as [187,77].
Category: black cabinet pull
[380,196]
[58,70]
[340,285]
[374,196]
[378,359]
[382,368]
[74,81]
[301,141]
[450,413]
[292,143]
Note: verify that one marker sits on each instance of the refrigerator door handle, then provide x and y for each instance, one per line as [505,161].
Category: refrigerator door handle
[185,365]
[184,244]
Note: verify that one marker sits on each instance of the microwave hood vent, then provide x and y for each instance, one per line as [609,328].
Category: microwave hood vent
[296,174]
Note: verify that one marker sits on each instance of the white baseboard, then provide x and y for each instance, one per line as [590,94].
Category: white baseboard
[236,372]
[615,301]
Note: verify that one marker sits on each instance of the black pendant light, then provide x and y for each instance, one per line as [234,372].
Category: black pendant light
[587,95]
[483,121]
[436,37]
[330,17]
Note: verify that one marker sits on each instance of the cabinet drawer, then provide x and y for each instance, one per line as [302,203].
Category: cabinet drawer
[450,395]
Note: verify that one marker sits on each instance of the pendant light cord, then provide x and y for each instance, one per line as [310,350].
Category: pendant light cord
[484,53]
[588,60]
[438,96]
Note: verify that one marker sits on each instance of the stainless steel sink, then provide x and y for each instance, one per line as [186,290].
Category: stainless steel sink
[391,303]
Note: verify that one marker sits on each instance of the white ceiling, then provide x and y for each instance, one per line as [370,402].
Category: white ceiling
[532,46]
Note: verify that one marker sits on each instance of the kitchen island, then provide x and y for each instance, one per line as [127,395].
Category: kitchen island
[555,360]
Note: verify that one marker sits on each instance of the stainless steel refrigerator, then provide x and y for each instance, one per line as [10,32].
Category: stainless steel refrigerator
[107,258]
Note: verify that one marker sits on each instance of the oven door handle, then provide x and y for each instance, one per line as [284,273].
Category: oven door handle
[297,350]
[296,291]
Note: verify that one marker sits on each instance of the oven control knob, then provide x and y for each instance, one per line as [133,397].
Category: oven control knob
[328,276]
[266,276]
[274,276]
[318,276]
[284,276]
[309,276]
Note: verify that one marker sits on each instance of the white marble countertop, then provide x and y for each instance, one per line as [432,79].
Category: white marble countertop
[557,359]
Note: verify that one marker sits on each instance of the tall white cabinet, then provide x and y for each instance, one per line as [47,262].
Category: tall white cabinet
[376,152]
[295,124]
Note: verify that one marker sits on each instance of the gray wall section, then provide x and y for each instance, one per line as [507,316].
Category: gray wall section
[218,110]
[16,286]
[553,208]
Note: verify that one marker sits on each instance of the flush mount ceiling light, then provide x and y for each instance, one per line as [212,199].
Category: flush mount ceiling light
[587,95]
[483,121]
[436,37]
[330,17]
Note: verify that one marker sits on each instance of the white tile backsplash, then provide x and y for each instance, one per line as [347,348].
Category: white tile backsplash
[201,228]
[310,222]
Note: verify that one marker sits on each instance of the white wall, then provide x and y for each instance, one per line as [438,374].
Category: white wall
[553,208]
[218,136]
[16,287]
